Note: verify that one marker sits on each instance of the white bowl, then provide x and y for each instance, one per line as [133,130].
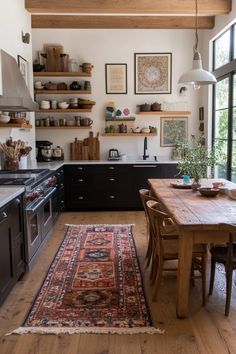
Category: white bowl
[4,119]
[44,106]
[145,130]
[63,105]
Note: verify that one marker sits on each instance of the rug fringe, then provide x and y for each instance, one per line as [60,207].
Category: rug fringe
[96,330]
[99,224]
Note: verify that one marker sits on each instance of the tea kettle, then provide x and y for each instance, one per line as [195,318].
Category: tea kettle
[113,154]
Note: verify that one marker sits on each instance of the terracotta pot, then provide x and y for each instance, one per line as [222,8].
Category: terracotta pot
[86,67]
[156,106]
[11,164]
[144,107]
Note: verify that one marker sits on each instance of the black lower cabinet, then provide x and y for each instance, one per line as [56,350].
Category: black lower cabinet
[110,187]
[12,257]
[98,187]
[58,200]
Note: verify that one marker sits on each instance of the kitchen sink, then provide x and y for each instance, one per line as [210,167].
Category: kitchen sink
[147,160]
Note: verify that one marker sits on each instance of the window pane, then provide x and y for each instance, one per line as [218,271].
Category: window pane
[234,41]
[222,46]
[222,94]
[221,168]
[233,178]
[234,124]
[221,124]
[234,90]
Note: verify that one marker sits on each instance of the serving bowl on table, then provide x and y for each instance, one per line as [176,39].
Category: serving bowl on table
[232,193]
[208,191]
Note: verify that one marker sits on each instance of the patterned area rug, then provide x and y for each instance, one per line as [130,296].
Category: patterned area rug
[93,285]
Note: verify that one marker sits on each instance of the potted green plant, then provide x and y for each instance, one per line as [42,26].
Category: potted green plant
[197,161]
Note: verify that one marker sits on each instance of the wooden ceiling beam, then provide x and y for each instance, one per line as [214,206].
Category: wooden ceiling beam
[121,22]
[206,7]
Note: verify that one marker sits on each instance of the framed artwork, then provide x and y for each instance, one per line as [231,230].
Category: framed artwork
[173,130]
[152,73]
[116,78]
[23,66]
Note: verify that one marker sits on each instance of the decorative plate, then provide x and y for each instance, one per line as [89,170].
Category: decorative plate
[180,185]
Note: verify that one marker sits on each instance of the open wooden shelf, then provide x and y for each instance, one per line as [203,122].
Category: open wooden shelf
[66,127]
[163,113]
[129,134]
[68,110]
[61,92]
[16,125]
[62,73]
[130,119]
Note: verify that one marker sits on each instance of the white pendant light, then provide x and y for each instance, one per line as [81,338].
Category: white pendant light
[197,76]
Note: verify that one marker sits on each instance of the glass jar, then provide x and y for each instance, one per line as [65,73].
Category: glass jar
[73,65]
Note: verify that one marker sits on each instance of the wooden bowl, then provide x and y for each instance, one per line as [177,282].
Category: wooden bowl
[209,192]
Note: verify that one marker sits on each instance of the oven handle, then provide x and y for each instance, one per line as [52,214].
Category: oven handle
[49,194]
[42,201]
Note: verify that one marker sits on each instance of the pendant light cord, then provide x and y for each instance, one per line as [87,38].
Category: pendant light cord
[196,27]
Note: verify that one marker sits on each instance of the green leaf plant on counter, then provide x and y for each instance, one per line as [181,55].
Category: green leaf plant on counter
[197,160]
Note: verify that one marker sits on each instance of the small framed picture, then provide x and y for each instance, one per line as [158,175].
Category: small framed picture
[23,66]
[173,130]
[116,78]
[152,73]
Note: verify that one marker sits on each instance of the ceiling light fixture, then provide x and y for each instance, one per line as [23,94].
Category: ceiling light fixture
[197,76]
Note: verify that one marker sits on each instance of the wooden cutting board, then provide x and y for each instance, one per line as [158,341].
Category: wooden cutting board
[76,150]
[53,53]
[93,146]
[88,149]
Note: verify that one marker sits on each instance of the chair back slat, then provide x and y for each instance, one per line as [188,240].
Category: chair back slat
[156,218]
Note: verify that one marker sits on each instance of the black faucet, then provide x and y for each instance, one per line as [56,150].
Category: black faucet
[145,149]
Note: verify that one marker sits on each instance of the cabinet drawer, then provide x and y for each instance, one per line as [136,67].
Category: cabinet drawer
[80,181]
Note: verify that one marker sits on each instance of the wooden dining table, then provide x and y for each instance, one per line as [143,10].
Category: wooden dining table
[197,218]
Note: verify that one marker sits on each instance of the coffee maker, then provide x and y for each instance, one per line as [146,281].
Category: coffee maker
[44,151]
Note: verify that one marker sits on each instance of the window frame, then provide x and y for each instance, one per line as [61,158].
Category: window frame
[226,70]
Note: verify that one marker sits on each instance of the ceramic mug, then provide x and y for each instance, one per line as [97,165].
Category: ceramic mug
[85,121]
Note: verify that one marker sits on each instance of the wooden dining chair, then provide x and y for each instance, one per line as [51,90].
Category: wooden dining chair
[145,196]
[166,249]
[167,229]
[226,255]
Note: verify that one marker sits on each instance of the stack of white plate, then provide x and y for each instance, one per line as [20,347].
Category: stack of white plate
[45,104]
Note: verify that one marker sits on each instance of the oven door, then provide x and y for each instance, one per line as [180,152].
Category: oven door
[38,222]
[33,227]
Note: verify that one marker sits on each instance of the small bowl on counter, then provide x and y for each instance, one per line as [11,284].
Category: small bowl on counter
[208,191]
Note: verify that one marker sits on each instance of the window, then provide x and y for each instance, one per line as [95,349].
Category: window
[224,103]
[222,50]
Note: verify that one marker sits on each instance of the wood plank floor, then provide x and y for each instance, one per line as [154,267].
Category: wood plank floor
[206,330]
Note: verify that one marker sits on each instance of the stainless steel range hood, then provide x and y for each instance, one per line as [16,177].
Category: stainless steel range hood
[14,93]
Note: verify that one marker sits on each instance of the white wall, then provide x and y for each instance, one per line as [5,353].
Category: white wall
[14,19]
[118,46]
